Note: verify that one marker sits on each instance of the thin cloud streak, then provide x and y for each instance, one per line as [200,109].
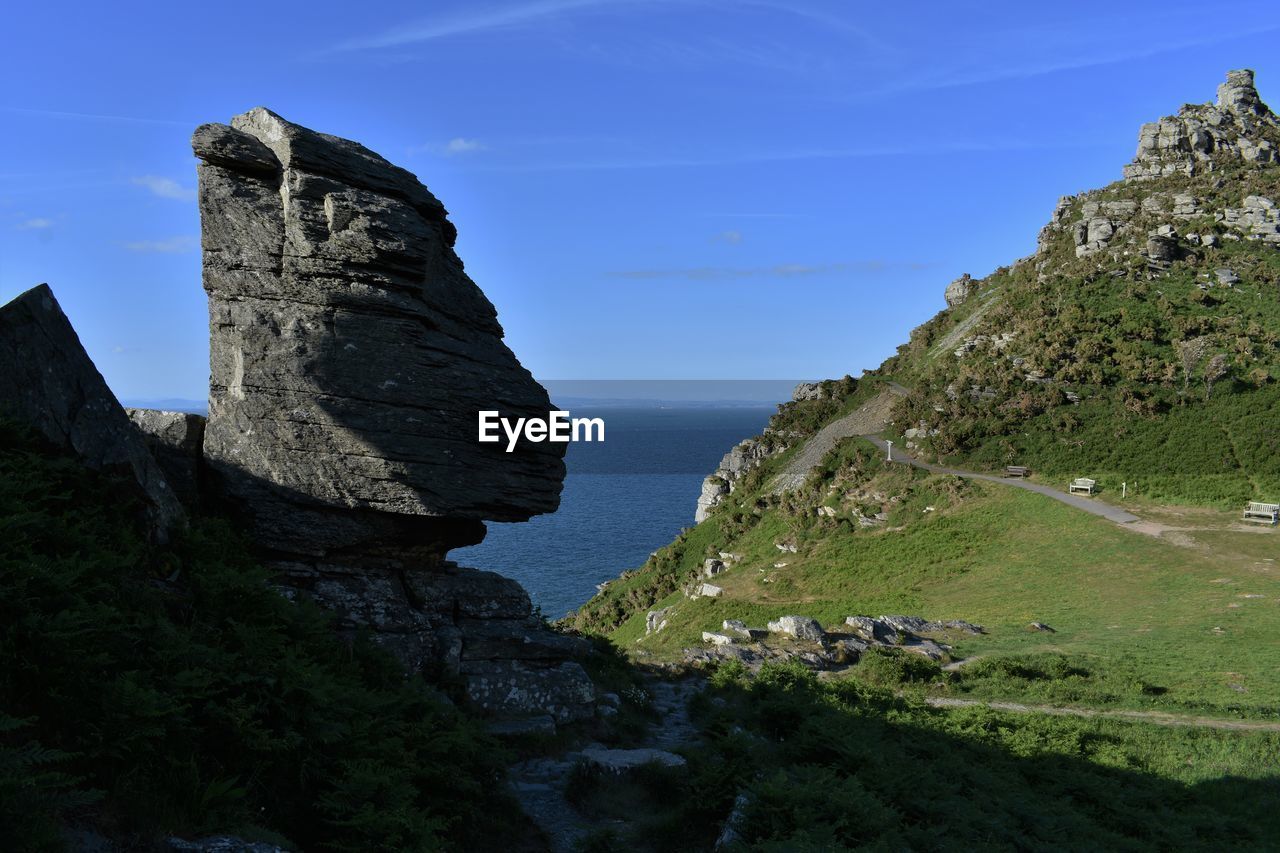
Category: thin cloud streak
[37,224]
[528,14]
[781,271]
[165,187]
[785,156]
[62,114]
[1042,69]
[171,246]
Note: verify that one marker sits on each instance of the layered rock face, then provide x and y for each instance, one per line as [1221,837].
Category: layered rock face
[1204,150]
[1201,138]
[350,352]
[48,382]
[349,356]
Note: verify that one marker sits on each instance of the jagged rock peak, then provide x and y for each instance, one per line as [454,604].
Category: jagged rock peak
[350,352]
[1239,95]
[1202,138]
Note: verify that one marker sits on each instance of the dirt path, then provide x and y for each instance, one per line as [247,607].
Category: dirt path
[539,783]
[1107,511]
[1160,718]
[871,417]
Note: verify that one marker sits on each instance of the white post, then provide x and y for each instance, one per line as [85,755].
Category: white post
[1124,490]
[889,458]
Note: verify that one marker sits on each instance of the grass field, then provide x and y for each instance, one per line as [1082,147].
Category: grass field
[1140,622]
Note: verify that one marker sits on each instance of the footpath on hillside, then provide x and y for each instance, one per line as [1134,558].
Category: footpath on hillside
[1107,511]
[871,417]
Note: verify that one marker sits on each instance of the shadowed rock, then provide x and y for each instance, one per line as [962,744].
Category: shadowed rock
[48,382]
[174,439]
[350,352]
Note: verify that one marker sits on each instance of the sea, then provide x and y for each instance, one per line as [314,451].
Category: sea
[623,498]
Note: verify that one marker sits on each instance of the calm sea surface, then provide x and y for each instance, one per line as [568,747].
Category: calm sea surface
[622,499]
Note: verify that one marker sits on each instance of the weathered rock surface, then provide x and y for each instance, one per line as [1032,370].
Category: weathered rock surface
[1203,138]
[349,356]
[175,440]
[800,627]
[350,352]
[48,382]
[744,457]
[960,290]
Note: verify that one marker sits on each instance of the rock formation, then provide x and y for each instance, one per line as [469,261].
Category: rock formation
[48,382]
[1205,137]
[350,352]
[349,356]
[175,440]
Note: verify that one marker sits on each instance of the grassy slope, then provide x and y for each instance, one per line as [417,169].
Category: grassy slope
[1137,613]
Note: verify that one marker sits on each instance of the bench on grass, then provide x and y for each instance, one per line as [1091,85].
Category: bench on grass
[1083,484]
[1016,471]
[1260,513]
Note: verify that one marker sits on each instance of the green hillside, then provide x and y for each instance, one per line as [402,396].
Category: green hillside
[1140,347]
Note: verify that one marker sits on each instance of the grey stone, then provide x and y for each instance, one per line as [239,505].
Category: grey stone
[1226,277]
[800,627]
[1238,127]
[959,290]
[1040,626]
[48,383]
[626,760]
[516,688]
[175,440]
[350,352]
[220,844]
[716,639]
[656,620]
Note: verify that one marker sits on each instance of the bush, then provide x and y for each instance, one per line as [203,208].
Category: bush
[194,698]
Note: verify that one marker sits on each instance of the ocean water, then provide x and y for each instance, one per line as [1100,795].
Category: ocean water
[623,498]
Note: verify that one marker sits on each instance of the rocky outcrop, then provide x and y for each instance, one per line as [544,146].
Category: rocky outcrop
[1202,138]
[48,382]
[175,440]
[745,456]
[349,351]
[959,290]
[349,356]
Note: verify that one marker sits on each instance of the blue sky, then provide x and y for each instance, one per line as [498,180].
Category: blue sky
[644,188]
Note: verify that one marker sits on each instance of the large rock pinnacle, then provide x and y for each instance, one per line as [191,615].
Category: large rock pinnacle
[350,352]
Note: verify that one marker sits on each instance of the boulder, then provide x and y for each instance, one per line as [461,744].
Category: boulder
[350,353]
[716,639]
[656,620]
[49,383]
[626,760]
[959,290]
[519,688]
[175,440]
[800,627]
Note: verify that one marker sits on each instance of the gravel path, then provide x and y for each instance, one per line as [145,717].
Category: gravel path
[870,417]
[1107,511]
[539,783]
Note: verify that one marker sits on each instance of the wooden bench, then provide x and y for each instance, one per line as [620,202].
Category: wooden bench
[1016,471]
[1083,484]
[1260,513]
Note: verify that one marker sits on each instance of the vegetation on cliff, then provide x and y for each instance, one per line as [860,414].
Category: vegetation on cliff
[147,692]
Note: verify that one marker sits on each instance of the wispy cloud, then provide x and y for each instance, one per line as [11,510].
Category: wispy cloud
[39,223]
[477,18]
[165,187]
[63,114]
[173,245]
[755,157]
[941,78]
[460,145]
[774,271]
[733,238]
